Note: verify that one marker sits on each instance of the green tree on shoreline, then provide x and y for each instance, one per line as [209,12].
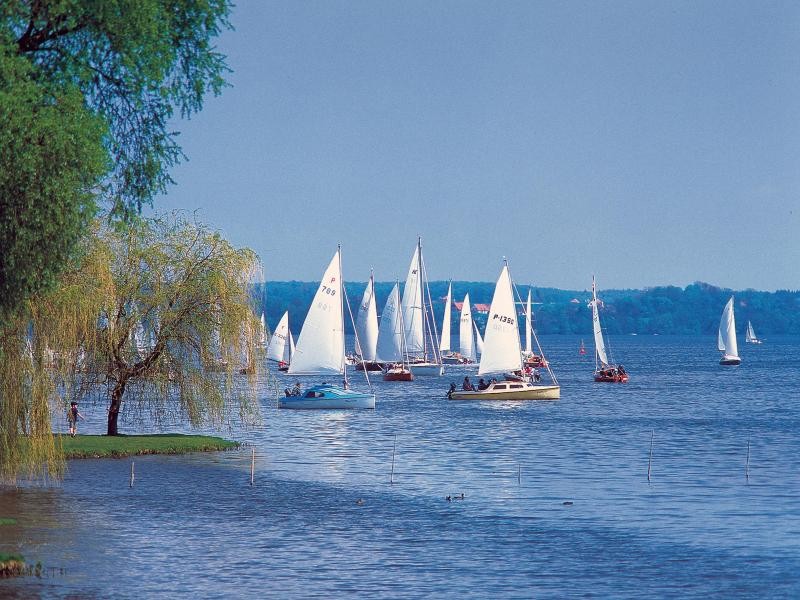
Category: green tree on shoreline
[158,314]
[87,91]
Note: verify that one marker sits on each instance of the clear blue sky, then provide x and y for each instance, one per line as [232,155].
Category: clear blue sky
[647,142]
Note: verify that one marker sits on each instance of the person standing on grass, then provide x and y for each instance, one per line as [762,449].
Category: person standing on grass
[72,418]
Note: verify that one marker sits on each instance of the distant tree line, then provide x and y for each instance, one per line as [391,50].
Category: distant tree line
[693,310]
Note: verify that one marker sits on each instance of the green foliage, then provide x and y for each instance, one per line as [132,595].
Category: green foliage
[176,279]
[95,446]
[51,156]
[87,90]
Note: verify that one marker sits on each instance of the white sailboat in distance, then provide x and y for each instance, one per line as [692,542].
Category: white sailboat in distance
[750,335]
[726,336]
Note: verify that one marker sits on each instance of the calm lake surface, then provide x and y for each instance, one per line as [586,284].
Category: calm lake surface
[323,519]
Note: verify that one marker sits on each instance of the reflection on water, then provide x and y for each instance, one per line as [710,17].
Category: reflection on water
[193,525]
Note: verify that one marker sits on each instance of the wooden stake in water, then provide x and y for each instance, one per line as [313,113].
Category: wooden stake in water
[133,476]
[391,477]
[650,459]
[747,463]
[253,466]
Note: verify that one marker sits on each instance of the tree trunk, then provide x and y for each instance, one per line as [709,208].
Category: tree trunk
[116,403]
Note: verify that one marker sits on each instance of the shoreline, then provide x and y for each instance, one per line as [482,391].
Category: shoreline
[121,446]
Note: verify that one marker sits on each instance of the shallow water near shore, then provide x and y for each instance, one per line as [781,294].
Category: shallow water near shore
[556,495]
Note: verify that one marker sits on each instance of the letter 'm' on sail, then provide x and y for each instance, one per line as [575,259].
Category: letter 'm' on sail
[390,336]
[501,345]
[465,336]
[367,324]
[320,347]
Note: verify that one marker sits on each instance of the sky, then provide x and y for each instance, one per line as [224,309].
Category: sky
[648,143]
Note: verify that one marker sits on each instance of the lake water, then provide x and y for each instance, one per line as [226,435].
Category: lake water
[323,519]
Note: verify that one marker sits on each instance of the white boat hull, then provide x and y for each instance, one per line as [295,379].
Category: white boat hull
[511,390]
[427,369]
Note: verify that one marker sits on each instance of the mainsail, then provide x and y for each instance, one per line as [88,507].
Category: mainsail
[466,340]
[390,335]
[502,350]
[277,343]
[444,344]
[320,347]
[367,324]
[413,315]
[726,336]
[599,345]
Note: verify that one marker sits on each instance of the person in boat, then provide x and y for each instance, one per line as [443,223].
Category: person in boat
[621,370]
[345,384]
[467,385]
[536,375]
[296,391]
[451,390]
[482,385]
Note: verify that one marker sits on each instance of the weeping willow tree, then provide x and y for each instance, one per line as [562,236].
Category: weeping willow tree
[157,315]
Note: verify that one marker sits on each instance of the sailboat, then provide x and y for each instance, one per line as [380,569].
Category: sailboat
[726,336]
[420,331]
[503,353]
[466,334]
[582,349]
[750,335]
[367,330]
[604,370]
[262,334]
[391,350]
[530,358]
[445,351]
[478,339]
[320,348]
[278,350]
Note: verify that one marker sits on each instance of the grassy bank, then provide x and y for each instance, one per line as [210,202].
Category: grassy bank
[103,446]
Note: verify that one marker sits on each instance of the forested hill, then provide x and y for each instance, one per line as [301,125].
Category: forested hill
[695,309]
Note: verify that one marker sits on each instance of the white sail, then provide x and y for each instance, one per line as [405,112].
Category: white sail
[726,337]
[290,353]
[367,324]
[750,335]
[277,343]
[599,345]
[320,347]
[466,341]
[478,339]
[413,316]
[528,324]
[502,350]
[444,344]
[262,337]
[390,335]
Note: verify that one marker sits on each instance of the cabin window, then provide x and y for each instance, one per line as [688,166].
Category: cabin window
[516,387]
[500,387]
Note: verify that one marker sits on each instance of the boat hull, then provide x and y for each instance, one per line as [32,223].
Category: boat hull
[511,391]
[398,375]
[611,378]
[427,369]
[328,397]
[370,366]
[730,360]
